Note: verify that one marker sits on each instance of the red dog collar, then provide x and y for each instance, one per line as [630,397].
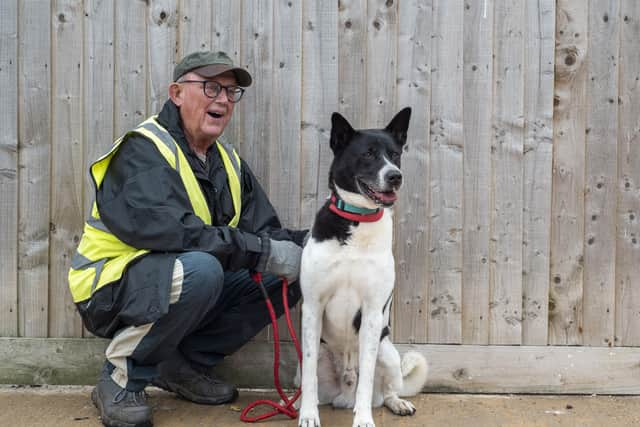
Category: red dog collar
[353,213]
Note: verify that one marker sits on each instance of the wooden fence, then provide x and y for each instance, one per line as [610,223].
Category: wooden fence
[519,221]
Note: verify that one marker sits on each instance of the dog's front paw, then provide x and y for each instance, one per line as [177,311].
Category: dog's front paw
[400,406]
[309,418]
[363,421]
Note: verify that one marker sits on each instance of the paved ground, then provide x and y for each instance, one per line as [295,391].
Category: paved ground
[71,406]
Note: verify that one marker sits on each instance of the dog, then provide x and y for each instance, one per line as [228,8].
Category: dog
[347,278]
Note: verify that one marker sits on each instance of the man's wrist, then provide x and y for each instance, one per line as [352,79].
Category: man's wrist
[265,249]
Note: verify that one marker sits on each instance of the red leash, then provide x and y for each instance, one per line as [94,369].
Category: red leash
[287,408]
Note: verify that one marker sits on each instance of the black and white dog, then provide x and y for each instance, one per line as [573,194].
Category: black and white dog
[347,278]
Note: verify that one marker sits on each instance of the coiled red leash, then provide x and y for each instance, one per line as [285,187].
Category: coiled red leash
[286,409]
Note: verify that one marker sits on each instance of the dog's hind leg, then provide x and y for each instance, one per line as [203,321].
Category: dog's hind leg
[390,376]
[347,380]
[328,381]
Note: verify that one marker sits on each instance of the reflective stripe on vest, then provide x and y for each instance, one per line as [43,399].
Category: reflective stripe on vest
[101,257]
[231,162]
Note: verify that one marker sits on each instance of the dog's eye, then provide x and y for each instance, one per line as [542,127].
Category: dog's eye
[370,153]
[395,155]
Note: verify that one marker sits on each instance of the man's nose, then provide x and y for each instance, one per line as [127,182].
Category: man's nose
[222,96]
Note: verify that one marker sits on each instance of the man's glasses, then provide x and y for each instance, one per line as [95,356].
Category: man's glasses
[212,89]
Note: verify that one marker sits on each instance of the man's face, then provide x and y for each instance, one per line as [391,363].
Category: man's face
[204,119]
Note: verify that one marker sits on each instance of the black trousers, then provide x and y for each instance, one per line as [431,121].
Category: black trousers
[212,314]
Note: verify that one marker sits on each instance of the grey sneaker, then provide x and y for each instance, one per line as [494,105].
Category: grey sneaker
[119,407]
[198,386]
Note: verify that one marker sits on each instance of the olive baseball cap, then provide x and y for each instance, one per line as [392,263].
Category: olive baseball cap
[210,64]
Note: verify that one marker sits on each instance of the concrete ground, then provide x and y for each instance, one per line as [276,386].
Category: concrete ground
[71,406]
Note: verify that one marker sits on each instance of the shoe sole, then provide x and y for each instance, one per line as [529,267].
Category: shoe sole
[187,395]
[113,423]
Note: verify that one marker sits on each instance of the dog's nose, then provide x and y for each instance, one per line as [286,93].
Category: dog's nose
[394,178]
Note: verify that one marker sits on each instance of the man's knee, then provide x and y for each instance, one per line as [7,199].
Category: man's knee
[202,277]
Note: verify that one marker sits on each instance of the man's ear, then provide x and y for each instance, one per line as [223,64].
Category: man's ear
[341,132]
[399,125]
[175,93]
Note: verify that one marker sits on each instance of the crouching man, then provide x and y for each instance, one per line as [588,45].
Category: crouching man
[163,266]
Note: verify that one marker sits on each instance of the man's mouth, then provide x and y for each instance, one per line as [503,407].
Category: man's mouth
[215,115]
[384,198]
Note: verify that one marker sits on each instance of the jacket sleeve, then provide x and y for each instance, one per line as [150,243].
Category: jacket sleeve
[259,215]
[143,201]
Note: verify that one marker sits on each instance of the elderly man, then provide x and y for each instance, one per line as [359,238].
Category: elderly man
[163,266]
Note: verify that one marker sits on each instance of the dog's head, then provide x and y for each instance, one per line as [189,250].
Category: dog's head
[366,164]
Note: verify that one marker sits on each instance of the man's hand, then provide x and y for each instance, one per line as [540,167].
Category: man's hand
[284,259]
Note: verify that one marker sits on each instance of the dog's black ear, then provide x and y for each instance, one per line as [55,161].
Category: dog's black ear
[341,132]
[399,125]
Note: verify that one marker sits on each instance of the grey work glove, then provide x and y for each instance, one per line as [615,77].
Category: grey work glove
[284,259]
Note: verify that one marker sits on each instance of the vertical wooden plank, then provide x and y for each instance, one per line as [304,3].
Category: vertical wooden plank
[98,86]
[352,46]
[257,56]
[284,153]
[601,174]
[161,50]
[319,100]
[285,149]
[445,247]
[67,163]
[567,203]
[225,36]
[505,305]
[9,169]
[34,147]
[628,219]
[478,96]
[412,212]
[382,41]
[194,27]
[538,150]
[98,109]
[131,53]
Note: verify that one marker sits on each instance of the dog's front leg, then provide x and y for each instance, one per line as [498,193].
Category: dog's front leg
[369,340]
[311,332]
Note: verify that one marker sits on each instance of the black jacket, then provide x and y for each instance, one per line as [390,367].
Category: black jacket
[143,201]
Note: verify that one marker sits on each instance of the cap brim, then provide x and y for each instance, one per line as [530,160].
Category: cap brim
[242,76]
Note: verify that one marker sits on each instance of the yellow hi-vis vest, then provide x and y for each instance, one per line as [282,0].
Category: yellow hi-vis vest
[101,257]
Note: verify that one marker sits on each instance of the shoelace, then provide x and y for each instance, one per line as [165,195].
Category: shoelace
[210,379]
[124,394]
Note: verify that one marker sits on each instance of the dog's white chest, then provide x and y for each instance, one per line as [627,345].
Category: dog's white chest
[364,263]
[346,276]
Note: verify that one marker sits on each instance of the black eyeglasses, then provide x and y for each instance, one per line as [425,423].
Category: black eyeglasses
[212,89]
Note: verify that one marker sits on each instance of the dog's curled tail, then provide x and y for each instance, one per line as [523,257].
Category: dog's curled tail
[414,368]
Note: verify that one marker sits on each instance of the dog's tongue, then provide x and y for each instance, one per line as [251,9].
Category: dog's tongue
[387,197]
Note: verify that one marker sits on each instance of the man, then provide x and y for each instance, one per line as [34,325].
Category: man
[163,265]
